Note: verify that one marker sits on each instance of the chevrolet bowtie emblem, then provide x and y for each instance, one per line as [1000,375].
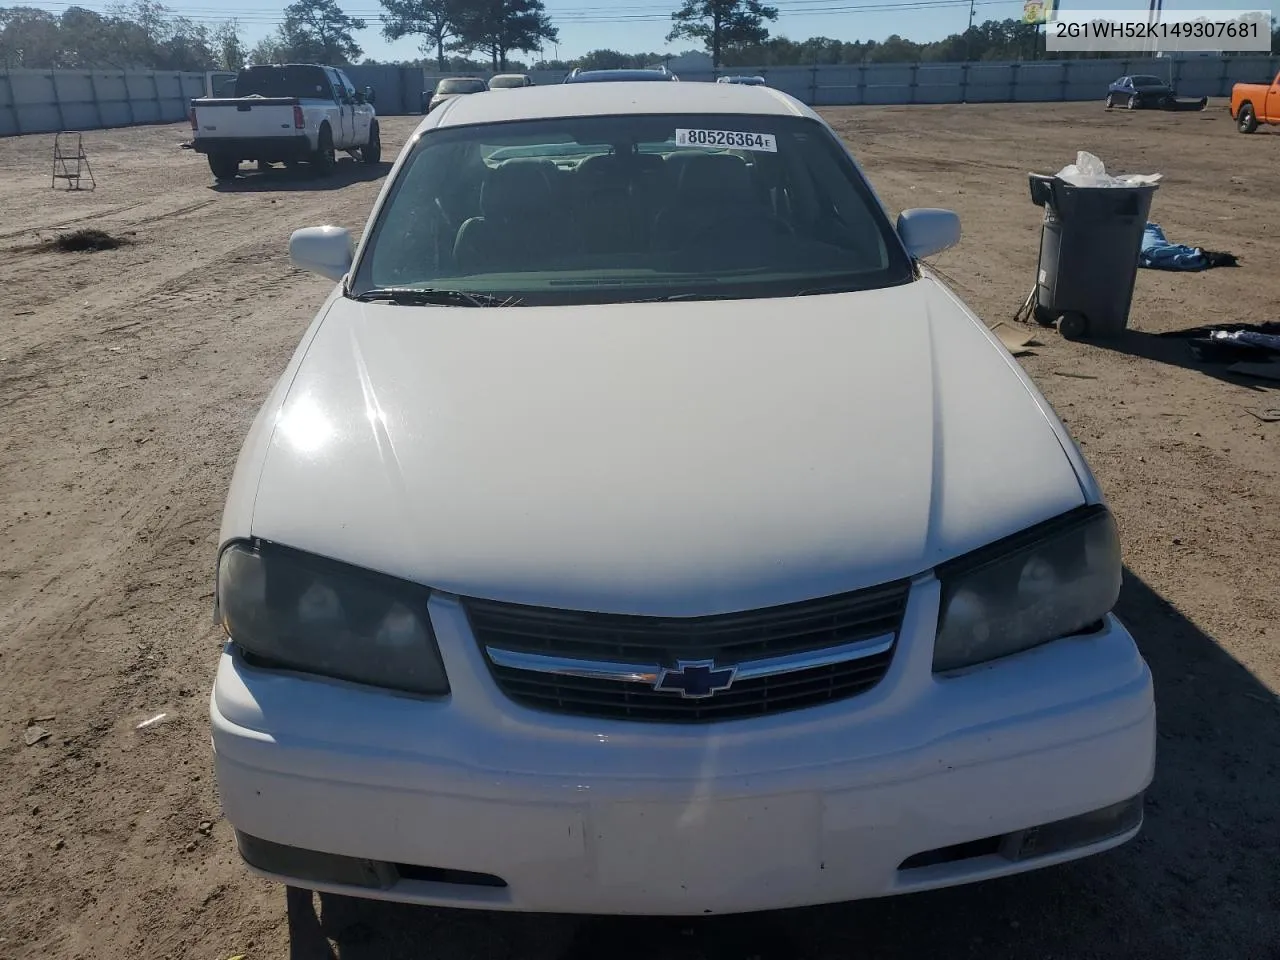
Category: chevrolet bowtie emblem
[695,679]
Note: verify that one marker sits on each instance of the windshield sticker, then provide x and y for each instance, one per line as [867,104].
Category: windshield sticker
[728,139]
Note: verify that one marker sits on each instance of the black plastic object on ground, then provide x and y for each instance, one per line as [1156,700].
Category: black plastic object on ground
[1089,245]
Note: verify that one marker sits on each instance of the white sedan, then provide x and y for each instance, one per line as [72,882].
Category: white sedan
[639,529]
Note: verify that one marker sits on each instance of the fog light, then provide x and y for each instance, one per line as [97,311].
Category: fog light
[1097,826]
[1084,830]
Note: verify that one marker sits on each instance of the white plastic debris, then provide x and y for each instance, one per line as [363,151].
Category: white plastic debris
[152,722]
[1089,171]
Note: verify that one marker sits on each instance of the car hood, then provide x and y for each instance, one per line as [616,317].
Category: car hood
[675,459]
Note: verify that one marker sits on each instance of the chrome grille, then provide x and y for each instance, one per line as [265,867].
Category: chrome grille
[770,635]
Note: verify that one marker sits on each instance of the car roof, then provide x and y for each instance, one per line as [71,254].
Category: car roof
[509,76]
[621,74]
[616,99]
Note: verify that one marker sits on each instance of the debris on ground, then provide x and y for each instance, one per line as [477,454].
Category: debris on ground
[1158,253]
[1267,414]
[152,722]
[34,735]
[88,240]
[1263,371]
[1016,341]
[1232,342]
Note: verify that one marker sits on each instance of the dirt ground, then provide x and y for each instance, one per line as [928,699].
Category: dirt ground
[129,377]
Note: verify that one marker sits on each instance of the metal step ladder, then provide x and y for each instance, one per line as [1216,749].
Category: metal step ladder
[70,162]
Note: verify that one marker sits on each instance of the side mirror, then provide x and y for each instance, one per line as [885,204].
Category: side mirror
[928,230]
[369,95]
[327,251]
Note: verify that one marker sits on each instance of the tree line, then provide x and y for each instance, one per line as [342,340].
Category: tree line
[147,34]
[143,33]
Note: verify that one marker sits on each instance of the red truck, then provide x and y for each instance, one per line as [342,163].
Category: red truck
[1255,103]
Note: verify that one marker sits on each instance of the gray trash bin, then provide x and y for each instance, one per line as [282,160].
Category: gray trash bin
[1089,245]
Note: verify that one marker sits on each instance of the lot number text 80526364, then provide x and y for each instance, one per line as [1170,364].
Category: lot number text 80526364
[728,139]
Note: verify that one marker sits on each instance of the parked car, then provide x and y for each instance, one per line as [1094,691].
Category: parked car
[1255,103]
[508,81]
[451,87]
[286,113]
[1140,91]
[745,81]
[578,75]
[632,532]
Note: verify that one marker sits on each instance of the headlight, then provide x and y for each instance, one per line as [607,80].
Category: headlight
[1048,582]
[297,611]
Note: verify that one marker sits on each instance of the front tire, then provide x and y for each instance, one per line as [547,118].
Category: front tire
[1247,121]
[324,159]
[1133,102]
[223,167]
[371,152]
[1111,100]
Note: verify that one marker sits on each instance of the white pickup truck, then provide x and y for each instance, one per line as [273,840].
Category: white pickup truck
[287,113]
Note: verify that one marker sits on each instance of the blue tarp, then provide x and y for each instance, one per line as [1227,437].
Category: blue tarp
[1159,254]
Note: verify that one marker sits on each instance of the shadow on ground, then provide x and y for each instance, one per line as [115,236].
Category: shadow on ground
[1176,352]
[282,179]
[1198,883]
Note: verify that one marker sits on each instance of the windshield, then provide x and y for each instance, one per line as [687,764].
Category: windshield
[292,81]
[498,83]
[609,209]
[460,86]
[1148,82]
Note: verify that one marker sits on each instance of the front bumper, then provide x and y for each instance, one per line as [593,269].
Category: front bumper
[485,803]
[273,149]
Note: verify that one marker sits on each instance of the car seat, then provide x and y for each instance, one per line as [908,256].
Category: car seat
[515,228]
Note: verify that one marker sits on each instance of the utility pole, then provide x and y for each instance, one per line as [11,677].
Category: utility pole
[966,33]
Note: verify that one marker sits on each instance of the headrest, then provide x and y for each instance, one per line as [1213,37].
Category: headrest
[713,175]
[601,165]
[514,189]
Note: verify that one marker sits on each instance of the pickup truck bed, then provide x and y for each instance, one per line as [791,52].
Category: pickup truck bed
[286,113]
[270,129]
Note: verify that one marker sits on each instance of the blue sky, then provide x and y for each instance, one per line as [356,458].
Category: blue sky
[642,25]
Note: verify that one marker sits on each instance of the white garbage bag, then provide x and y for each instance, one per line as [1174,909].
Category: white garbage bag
[1089,171]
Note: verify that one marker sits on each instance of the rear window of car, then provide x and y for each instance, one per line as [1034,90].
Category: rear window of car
[502,82]
[1148,82]
[618,76]
[461,86]
[291,81]
[610,209]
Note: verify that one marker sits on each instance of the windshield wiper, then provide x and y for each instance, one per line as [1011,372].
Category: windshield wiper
[420,296]
[824,291]
[685,297]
